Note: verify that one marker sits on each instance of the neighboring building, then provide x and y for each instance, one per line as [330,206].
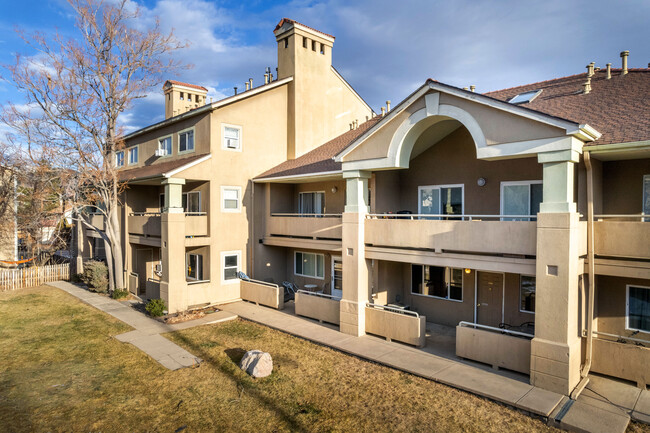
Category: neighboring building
[462,207]
[8,229]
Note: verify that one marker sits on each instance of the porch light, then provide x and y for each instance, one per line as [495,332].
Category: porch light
[468,270]
[481,181]
[334,189]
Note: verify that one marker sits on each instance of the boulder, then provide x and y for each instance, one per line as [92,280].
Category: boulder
[257,363]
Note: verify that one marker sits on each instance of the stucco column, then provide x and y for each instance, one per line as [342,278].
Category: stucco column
[355,266]
[173,286]
[556,348]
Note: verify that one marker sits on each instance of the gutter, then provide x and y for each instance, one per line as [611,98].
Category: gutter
[584,372]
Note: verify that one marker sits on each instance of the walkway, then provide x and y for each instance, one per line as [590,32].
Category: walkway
[146,335]
[586,414]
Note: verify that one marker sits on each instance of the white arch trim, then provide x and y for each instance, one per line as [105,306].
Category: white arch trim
[409,131]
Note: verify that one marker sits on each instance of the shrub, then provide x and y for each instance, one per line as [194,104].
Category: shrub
[155,307]
[119,294]
[77,278]
[95,276]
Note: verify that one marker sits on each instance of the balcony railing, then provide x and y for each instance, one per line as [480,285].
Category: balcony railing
[485,234]
[311,226]
[622,236]
[149,223]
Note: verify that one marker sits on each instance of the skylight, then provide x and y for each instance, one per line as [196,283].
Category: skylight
[525,97]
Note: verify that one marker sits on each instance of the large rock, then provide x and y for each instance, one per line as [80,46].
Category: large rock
[257,363]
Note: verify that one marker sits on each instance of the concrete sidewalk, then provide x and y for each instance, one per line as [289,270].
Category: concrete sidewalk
[583,415]
[146,335]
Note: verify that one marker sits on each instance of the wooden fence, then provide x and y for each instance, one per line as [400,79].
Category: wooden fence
[12,279]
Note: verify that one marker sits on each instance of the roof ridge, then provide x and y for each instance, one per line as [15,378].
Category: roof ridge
[289,20]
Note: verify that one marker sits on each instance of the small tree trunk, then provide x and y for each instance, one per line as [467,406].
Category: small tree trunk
[109,263]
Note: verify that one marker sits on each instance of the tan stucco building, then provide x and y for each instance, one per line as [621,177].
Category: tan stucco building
[515,217]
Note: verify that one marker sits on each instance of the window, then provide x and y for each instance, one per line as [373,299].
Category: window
[165,146]
[186,141]
[195,266]
[230,266]
[638,308]
[309,265]
[437,282]
[521,198]
[527,294]
[311,203]
[646,196]
[119,159]
[231,137]
[133,155]
[230,199]
[441,200]
[181,96]
[304,42]
[525,97]
[192,202]
[161,201]
[286,42]
[322,48]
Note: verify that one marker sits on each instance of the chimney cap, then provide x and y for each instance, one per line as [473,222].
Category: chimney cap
[625,53]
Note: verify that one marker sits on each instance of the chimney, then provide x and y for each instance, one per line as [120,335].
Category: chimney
[587,86]
[624,55]
[247,84]
[250,82]
[590,69]
[266,78]
[383,111]
[181,97]
[387,106]
[472,87]
[609,71]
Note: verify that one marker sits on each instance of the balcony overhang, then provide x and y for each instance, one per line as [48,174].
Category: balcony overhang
[303,178]
[155,174]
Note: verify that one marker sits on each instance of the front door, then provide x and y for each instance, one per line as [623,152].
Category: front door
[489,304]
[144,268]
[337,277]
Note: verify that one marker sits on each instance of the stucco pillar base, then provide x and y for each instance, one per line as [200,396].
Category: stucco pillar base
[555,366]
[173,287]
[352,318]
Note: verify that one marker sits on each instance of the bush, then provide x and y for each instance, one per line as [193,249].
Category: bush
[119,294]
[77,278]
[95,276]
[155,307]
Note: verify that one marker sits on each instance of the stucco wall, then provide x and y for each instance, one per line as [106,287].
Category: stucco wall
[623,186]
[611,303]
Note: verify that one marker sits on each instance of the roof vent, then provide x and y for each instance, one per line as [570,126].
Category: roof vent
[472,88]
[609,71]
[624,55]
[590,69]
[587,86]
[525,97]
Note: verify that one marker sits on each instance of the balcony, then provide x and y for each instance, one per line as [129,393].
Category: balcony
[483,234]
[624,236]
[97,220]
[306,226]
[149,224]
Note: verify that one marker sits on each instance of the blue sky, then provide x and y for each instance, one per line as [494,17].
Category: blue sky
[385,49]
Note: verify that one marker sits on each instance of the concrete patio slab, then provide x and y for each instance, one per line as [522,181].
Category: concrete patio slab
[419,364]
[613,391]
[539,401]
[641,410]
[584,417]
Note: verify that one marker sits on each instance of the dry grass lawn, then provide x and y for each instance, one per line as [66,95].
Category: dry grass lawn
[62,371]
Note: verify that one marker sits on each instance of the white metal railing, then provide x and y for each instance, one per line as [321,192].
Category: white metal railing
[145,214]
[191,282]
[621,337]
[322,295]
[264,283]
[449,217]
[307,215]
[639,216]
[492,328]
[195,213]
[393,309]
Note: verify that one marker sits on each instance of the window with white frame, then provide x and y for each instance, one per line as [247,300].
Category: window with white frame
[441,200]
[186,141]
[521,198]
[309,265]
[165,146]
[437,282]
[195,267]
[230,264]
[311,202]
[192,201]
[638,308]
[231,137]
[133,155]
[527,285]
[231,199]
[119,159]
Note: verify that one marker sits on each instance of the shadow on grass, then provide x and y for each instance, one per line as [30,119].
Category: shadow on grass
[250,386]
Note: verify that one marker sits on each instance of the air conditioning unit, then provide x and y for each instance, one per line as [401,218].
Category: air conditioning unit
[160,152]
[158,269]
[231,144]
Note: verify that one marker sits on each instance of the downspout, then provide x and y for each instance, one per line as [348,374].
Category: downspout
[584,372]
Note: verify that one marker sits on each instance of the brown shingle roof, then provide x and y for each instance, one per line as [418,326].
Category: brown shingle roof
[618,108]
[156,170]
[289,20]
[320,159]
[180,83]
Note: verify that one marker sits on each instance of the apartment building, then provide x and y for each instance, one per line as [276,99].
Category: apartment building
[515,218]
[8,209]
[188,205]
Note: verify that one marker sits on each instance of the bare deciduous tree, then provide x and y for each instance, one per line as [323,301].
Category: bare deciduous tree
[76,90]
